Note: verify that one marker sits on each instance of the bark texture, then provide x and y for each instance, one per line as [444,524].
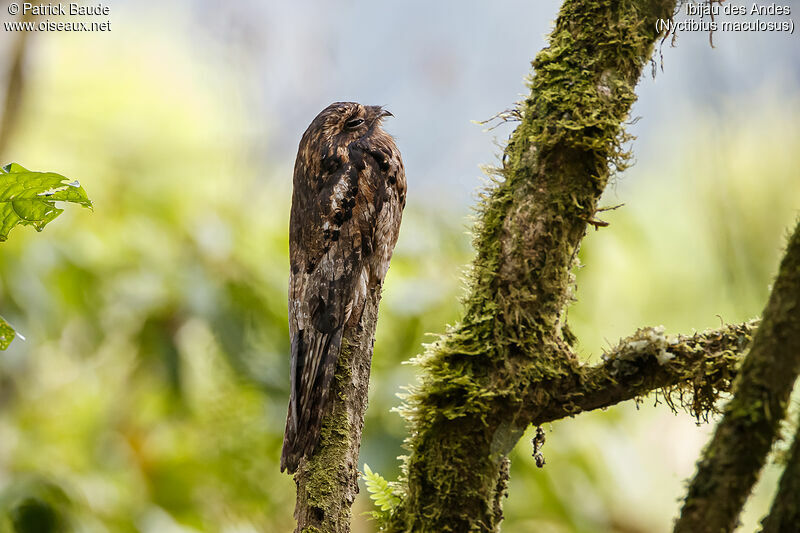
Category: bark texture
[732,460]
[327,483]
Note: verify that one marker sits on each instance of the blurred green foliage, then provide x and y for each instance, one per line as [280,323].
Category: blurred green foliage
[34,504]
[152,388]
[151,393]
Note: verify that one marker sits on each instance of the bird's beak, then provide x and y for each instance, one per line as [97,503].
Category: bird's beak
[379,112]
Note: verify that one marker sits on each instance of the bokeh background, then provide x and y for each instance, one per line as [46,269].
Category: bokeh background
[150,393]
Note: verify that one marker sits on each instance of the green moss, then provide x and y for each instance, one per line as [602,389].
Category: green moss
[695,388]
[344,374]
[323,478]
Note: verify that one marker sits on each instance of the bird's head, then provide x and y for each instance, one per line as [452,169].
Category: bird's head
[348,120]
[330,134]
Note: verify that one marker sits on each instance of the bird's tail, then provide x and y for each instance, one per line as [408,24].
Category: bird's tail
[309,392]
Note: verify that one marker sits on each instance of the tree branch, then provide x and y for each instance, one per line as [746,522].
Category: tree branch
[732,460]
[785,512]
[327,483]
[510,349]
[691,371]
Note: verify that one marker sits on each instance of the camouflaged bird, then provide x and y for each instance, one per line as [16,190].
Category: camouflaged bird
[349,194]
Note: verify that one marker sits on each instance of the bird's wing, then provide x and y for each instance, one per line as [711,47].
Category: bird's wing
[326,263]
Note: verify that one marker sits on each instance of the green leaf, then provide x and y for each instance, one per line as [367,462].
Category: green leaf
[380,490]
[29,198]
[7,334]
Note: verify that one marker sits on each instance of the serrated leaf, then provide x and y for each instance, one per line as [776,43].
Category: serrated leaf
[7,334]
[29,198]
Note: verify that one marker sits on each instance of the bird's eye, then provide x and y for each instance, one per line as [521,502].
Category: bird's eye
[353,123]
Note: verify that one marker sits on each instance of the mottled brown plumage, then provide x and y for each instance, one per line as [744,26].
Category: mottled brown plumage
[349,193]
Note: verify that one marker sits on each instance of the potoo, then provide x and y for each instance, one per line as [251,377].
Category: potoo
[349,193]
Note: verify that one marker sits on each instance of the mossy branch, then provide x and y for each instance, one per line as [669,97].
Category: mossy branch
[688,372]
[327,483]
[732,460]
[484,378]
[785,512]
